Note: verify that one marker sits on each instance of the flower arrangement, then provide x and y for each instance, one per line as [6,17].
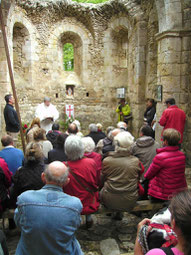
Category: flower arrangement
[24,127]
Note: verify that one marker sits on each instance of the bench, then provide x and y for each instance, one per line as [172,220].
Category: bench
[141,206]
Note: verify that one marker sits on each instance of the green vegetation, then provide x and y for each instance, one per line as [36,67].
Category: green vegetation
[68,52]
[91,1]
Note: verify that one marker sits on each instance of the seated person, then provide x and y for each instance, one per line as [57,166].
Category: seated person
[120,175]
[52,134]
[166,174]
[180,208]
[52,216]
[89,147]
[40,137]
[144,148]
[83,177]
[72,129]
[58,153]
[105,141]
[94,134]
[122,125]
[3,244]
[34,126]
[28,177]
[12,156]
[5,183]
[77,123]
[100,128]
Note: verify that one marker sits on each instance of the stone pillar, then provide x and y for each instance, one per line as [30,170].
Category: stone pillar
[138,106]
[174,73]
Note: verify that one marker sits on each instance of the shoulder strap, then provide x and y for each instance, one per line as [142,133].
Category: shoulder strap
[167,250]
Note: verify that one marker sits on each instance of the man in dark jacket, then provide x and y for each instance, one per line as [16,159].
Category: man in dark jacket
[11,118]
[94,134]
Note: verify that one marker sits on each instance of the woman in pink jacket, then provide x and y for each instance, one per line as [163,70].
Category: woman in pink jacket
[167,171]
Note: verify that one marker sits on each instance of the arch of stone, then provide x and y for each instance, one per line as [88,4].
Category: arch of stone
[132,44]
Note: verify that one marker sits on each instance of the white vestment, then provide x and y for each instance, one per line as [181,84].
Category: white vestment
[45,113]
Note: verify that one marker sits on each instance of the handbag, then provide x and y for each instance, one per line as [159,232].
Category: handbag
[167,250]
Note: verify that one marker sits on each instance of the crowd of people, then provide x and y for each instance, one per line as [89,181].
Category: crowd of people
[69,174]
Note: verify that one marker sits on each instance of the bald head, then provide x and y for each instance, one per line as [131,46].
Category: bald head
[56,173]
[7,140]
[72,129]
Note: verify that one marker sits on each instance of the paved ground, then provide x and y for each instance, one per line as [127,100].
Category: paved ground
[123,232]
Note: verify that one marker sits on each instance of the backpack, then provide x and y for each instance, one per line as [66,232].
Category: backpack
[168,250]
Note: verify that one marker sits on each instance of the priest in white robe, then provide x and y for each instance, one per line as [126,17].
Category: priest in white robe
[47,113]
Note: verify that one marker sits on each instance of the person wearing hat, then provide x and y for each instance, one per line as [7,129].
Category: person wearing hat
[47,113]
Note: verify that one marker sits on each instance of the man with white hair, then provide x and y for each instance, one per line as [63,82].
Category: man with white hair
[47,113]
[122,125]
[120,175]
[94,134]
[83,177]
[52,216]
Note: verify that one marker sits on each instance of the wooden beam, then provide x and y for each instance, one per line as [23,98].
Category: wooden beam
[11,74]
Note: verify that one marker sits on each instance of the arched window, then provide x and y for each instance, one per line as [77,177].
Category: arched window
[68,55]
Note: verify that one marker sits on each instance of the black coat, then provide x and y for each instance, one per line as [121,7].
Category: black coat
[149,114]
[26,178]
[57,154]
[11,119]
[96,136]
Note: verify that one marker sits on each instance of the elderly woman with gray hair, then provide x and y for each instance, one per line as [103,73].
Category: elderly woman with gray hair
[83,177]
[120,175]
[89,147]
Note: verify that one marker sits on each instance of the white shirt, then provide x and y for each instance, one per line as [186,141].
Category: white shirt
[44,113]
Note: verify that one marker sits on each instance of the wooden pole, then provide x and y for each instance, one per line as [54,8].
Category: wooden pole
[11,74]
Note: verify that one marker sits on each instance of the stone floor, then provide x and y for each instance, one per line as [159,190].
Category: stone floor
[106,237]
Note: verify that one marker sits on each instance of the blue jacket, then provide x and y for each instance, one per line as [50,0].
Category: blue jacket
[13,157]
[48,219]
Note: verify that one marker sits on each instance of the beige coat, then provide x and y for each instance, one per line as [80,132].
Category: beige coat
[30,134]
[120,174]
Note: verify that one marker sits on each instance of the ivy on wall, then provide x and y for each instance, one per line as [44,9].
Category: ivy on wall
[68,54]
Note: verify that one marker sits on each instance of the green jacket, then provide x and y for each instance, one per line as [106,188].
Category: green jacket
[126,110]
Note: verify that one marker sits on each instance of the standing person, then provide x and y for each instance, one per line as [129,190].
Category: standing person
[11,118]
[13,157]
[150,111]
[173,117]
[47,113]
[124,111]
[52,216]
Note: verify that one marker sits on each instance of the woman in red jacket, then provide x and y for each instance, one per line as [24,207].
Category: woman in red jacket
[83,177]
[167,171]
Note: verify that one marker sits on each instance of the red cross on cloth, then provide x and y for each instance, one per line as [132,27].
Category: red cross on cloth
[70,110]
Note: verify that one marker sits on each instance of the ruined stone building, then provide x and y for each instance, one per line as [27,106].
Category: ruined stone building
[132,44]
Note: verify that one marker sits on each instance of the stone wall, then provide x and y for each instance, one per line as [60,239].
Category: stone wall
[111,51]
[121,43]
